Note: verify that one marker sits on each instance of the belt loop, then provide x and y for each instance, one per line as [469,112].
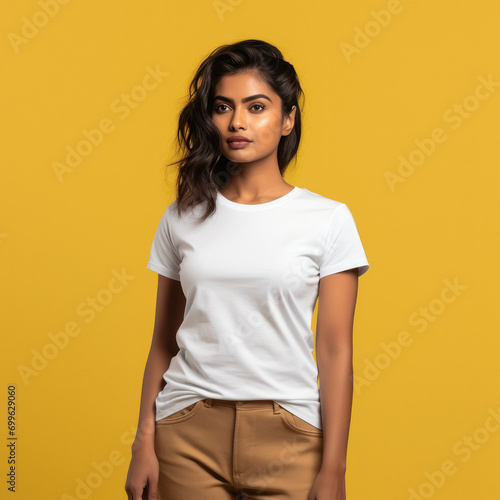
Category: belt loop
[277,408]
[208,402]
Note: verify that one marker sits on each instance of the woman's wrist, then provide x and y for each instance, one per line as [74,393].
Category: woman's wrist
[334,467]
[145,435]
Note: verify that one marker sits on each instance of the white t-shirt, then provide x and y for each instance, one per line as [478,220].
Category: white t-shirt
[250,275]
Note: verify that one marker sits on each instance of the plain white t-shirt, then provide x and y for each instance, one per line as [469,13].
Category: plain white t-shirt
[250,275]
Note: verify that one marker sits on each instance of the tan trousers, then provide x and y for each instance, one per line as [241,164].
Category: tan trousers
[225,450]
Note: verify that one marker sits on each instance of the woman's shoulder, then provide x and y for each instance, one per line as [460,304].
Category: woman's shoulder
[316,200]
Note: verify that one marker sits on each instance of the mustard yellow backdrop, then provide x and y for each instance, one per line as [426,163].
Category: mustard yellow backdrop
[401,123]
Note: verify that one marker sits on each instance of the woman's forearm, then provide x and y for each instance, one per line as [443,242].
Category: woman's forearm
[157,363]
[336,388]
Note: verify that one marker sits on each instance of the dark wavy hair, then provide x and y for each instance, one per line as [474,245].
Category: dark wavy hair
[203,168]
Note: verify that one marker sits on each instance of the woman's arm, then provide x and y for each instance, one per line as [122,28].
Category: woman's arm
[170,304]
[334,332]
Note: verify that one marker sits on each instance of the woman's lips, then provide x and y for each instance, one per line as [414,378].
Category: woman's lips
[238,144]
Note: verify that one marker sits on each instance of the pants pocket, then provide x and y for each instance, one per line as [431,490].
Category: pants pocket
[299,425]
[182,415]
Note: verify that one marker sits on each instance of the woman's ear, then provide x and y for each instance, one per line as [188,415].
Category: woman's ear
[289,122]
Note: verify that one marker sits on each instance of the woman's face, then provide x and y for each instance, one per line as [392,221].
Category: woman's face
[244,105]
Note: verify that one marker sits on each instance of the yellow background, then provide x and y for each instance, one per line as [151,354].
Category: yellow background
[61,240]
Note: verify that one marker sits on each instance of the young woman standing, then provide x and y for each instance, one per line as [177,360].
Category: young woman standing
[230,399]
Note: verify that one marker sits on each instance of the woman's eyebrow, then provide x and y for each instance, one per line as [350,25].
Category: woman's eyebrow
[245,99]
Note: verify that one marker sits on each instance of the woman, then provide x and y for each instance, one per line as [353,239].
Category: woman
[242,256]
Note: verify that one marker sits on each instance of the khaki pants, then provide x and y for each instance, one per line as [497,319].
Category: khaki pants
[213,449]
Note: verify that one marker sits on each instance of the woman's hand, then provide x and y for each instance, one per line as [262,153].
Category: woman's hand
[143,473]
[328,485]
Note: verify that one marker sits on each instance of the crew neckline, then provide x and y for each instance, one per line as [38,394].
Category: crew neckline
[259,206]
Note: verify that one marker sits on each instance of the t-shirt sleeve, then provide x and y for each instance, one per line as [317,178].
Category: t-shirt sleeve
[343,248]
[164,258]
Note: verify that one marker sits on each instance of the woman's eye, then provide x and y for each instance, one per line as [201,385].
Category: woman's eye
[217,107]
[260,105]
